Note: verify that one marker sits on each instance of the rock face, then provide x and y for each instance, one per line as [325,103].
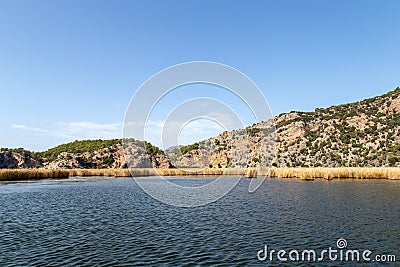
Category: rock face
[93,154]
[13,160]
[362,134]
[110,157]
[240,148]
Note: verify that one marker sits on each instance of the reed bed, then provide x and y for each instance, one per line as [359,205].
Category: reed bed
[137,172]
[91,172]
[140,172]
[113,172]
[143,172]
[335,173]
[31,174]
[302,173]
[206,172]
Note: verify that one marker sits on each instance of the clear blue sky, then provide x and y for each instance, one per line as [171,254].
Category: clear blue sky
[69,68]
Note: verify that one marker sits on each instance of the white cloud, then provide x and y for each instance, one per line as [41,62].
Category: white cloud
[199,130]
[159,124]
[32,129]
[76,130]
[91,130]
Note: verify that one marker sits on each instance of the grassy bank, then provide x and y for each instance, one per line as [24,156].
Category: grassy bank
[32,174]
[302,173]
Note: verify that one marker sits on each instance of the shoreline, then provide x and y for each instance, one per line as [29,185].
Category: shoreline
[308,174]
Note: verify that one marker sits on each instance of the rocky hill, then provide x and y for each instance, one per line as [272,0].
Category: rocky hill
[364,133]
[360,134]
[86,154]
[17,158]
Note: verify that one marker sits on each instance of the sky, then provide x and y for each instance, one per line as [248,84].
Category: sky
[69,68]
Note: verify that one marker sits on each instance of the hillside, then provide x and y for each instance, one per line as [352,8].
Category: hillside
[360,134]
[364,133]
[17,158]
[85,154]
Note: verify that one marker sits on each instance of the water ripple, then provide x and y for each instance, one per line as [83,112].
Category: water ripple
[104,222]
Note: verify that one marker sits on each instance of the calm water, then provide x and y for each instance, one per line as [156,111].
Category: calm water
[112,221]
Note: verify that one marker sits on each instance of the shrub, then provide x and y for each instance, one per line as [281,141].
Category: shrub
[188,148]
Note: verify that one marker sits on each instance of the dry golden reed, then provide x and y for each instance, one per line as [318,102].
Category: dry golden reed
[302,173]
[335,173]
[91,172]
[32,174]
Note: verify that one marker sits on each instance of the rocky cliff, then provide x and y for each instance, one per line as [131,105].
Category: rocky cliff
[364,133]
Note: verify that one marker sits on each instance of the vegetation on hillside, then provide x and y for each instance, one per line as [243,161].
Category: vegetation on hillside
[360,134]
[356,134]
[188,148]
[78,146]
[80,153]
[153,150]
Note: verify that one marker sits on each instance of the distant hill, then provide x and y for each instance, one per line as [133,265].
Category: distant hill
[93,154]
[364,134]
[172,148]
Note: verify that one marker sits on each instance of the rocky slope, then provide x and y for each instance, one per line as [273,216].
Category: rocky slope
[360,134]
[17,158]
[86,154]
[364,133]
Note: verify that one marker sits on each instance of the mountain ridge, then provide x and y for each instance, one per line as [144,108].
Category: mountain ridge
[359,134]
